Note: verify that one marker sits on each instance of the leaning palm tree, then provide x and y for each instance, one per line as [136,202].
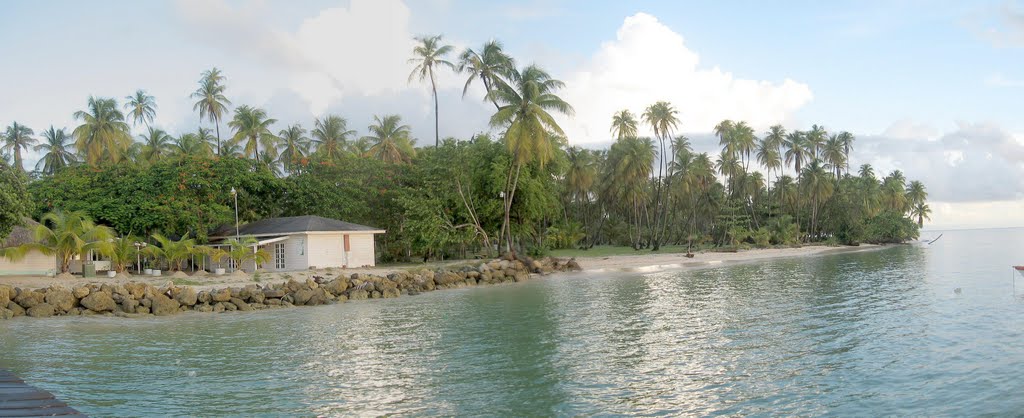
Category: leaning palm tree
[392,142]
[210,100]
[141,107]
[524,113]
[491,65]
[16,138]
[428,55]
[56,151]
[623,124]
[252,128]
[330,135]
[64,235]
[921,211]
[103,134]
[157,145]
[294,146]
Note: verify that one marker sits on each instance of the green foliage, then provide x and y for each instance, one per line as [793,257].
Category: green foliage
[890,227]
[14,199]
[762,237]
[65,235]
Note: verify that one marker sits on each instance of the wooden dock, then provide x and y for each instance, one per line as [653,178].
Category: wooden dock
[18,399]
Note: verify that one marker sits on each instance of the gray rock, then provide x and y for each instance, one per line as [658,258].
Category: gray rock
[99,302]
[163,305]
[6,313]
[204,307]
[61,299]
[142,310]
[240,304]
[228,306]
[187,296]
[273,293]
[203,297]
[129,305]
[29,298]
[6,294]
[358,295]
[41,310]
[302,296]
[222,295]
[218,307]
[15,308]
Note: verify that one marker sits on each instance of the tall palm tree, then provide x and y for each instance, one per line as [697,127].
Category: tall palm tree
[834,154]
[815,139]
[103,134]
[56,151]
[847,140]
[331,135]
[580,176]
[491,65]
[392,141]
[725,130]
[921,211]
[428,55]
[661,116]
[294,146]
[64,235]
[796,150]
[205,136]
[776,137]
[252,128]
[916,193]
[192,144]
[769,157]
[17,137]
[523,111]
[141,107]
[157,145]
[623,124]
[866,171]
[625,180]
[817,184]
[210,100]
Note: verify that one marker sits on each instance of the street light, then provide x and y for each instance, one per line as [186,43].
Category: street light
[138,255]
[234,193]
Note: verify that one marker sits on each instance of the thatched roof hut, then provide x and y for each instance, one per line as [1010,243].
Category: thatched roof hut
[20,235]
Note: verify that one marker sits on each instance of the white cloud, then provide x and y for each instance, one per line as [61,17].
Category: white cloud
[648,62]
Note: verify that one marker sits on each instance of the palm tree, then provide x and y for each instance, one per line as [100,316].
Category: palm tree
[103,134]
[866,171]
[921,211]
[629,166]
[428,55]
[17,137]
[157,144]
[56,152]
[745,142]
[523,112]
[244,249]
[725,130]
[191,144]
[391,140]
[294,146]
[815,139]
[252,127]
[623,124]
[817,184]
[122,252]
[64,235]
[491,66]
[846,139]
[141,107]
[331,135]
[579,177]
[834,154]
[174,252]
[210,100]
[796,150]
[768,155]
[203,135]
[661,116]
[893,192]
[916,193]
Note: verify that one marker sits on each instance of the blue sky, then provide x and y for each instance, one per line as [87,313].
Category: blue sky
[929,87]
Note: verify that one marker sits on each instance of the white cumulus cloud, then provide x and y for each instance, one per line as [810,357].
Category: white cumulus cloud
[648,62]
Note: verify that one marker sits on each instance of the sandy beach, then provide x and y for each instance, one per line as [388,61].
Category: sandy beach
[644,261]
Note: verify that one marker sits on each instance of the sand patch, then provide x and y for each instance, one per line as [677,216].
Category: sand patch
[179,275]
[65,276]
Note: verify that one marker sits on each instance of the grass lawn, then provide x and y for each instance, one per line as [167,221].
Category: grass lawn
[610,250]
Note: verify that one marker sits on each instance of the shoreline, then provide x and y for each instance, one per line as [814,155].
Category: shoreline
[649,262]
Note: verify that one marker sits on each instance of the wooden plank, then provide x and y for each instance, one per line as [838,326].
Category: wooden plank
[26,396]
[18,399]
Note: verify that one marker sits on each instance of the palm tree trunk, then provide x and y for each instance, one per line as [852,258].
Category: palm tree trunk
[216,122]
[437,135]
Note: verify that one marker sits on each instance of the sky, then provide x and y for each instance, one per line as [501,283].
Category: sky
[932,88]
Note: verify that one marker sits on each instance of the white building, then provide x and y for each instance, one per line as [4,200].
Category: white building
[305,242]
[35,263]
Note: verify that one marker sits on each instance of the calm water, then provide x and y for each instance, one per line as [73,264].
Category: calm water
[868,333]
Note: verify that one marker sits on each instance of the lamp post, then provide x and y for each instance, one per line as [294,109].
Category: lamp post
[138,255]
[234,193]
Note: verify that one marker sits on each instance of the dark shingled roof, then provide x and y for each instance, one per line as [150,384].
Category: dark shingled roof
[292,224]
[20,235]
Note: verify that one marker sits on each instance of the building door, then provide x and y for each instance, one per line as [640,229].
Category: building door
[279,256]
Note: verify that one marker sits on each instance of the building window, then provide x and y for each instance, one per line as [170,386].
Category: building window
[279,256]
[302,246]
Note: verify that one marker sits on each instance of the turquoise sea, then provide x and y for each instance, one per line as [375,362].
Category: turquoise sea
[852,334]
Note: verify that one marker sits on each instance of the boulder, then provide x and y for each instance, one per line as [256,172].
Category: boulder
[228,306]
[572,265]
[358,294]
[240,304]
[257,296]
[187,296]
[6,294]
[222,295]
[391,293]
[29,298]
[163,305]
[273,293]
[80,292]
[375,295]
[99,302]
[218,307]
[337,286]
[301,296]
[204,307]
[129,305]
[61,299]
[521,276]
[273,301]
[15,308]
[320,297]
[41,310]
[6,313]
[142,310]
[203,297]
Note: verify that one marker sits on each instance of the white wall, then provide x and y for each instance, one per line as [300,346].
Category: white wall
[34,263]
[362,253]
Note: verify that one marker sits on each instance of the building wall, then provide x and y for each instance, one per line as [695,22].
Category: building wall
[34,263]
[326,250]
[296,254]
[363,252]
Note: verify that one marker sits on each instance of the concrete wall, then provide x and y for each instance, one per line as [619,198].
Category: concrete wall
[296,254]
[363,251]
[34,263]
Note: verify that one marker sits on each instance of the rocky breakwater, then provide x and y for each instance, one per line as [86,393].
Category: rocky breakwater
[140,299]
